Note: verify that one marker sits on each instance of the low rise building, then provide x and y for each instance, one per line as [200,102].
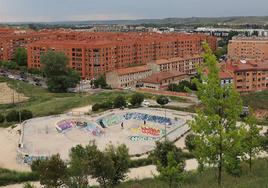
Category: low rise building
[161,80]
[128,77]
[186,64]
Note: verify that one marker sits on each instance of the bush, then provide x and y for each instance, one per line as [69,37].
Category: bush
[12,116]
[137,99]
[140,162]
[2,118]
[96,107]
[105,106]
[119,102]
[12,177]
[26,114]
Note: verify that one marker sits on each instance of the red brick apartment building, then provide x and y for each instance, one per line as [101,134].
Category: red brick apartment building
[247,76]
[93,54]
[248,48]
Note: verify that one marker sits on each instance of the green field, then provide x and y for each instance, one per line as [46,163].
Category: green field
[256,100]
[207,179]
[42,102]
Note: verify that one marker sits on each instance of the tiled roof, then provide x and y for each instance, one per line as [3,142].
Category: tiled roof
[131,70]
[158,77]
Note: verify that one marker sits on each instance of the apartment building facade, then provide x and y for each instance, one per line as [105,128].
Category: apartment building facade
[247,76]
[99,53]
[254,48]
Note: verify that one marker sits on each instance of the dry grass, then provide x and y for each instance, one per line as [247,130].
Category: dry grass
[9,95]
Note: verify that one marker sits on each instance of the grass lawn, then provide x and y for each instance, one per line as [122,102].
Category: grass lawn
[256,100]
[257,179]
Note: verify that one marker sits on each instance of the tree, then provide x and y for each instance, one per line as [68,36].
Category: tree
[52,172]
[189,142]
[172,173]
[120,101]
[26,114]
[162,100]
[20,57]
[79,169]
[59,76]
[137,99]
[108,167]
[100,82]
[121,161]
[217,136]
[12,116]
[160,153]
[252,138]
[102,168]
[2,118]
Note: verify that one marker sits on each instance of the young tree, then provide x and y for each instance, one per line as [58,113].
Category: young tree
[159,155]
[20,57]
[78,169]
[59,76]
[121,161]
[215,125]
[137,99]
[252,139]
[172,173]
[120,101]
[52,172]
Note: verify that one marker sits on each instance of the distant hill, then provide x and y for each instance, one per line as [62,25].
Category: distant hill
[263,20]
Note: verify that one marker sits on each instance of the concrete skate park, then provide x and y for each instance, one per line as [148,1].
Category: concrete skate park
[138,128]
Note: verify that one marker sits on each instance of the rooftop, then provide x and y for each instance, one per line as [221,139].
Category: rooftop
[166,61]
[131,70]
[158,77]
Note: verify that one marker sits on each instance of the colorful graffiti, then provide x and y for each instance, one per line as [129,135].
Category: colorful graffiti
[149,118]
[110,120]
[93,129]
[30,159]
[143,138]
[151,131]
[79,123]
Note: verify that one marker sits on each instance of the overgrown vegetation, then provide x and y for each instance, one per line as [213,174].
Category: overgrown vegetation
[12,177]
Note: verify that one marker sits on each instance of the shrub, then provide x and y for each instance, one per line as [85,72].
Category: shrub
[12,116]
[12,177]
[137,99]
[119,102]
[96,107]
[26,114]
[140,162]
[2,118]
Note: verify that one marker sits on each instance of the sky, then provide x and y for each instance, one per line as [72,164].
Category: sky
[78,10]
